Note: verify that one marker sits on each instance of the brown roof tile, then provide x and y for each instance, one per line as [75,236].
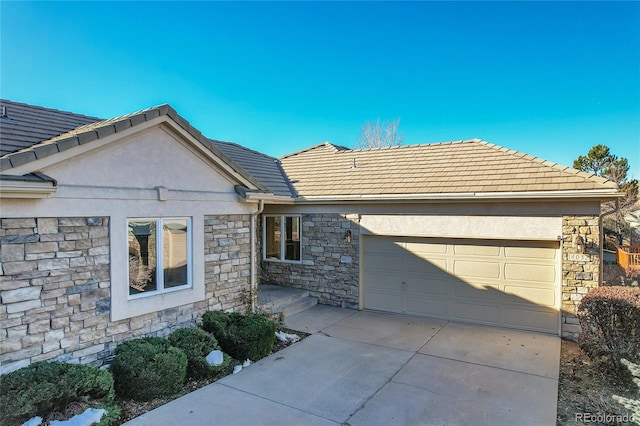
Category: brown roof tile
[451,167]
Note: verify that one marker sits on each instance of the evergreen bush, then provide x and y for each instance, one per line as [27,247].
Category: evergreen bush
[45,387]
[148,368]
[243,337]
[197,344]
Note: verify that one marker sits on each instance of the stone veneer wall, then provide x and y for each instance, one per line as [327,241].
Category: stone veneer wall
[227,251]
[580,271]
[55,288]
[329,267]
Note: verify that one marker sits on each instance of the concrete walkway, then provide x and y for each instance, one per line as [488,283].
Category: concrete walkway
[367,368]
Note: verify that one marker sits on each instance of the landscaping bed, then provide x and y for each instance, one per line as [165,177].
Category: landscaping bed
[145,373]
[130,409]
[585,388]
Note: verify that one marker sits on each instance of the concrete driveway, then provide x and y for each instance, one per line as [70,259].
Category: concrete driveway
[368,368]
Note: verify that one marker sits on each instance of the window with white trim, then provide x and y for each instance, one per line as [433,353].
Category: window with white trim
[160,257]
[282,236]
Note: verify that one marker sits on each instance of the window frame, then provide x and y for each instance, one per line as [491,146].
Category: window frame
[282,219]
[159,274]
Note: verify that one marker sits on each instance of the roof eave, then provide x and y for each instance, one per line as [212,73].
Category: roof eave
[26,189]
[252,196]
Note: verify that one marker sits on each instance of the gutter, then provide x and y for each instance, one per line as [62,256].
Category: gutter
[252,284]
[268,197]
[35,185]
[597,194]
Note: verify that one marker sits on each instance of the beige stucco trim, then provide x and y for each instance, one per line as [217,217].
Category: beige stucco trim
[13,189]
[267,198]
[464,226]
[486,208]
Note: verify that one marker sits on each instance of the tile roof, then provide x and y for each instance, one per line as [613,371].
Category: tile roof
[24,125]
[471,166]
[263,167]
[60,136]
[325,170]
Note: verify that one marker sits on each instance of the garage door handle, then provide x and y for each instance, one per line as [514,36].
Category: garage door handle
[404,286]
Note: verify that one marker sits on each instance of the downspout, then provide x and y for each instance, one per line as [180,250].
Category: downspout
[615,209]
[252,284]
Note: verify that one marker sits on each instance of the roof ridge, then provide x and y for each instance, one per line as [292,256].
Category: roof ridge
[412,145]
[243,147]
[329,145]
[556,166]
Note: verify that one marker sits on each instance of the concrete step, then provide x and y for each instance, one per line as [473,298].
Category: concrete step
[299,306]
[289,301]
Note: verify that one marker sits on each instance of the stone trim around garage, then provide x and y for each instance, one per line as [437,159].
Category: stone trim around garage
[330,266]
[580,271]
[55,288]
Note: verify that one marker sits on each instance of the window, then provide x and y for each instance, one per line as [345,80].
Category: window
[159,255]
[282,238]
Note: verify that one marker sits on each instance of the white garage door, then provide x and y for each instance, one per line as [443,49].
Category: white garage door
[503,283]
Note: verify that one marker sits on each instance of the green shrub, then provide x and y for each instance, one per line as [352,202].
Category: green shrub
[242,336]
[610,321]
[42,388]
[148,368]
[197,344]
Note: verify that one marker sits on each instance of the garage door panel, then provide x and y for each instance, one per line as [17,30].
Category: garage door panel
[465,268]
[425,249]
[437,267]
[504,283]
[429,307]
[539,319]
[535,273]
[476,250]
[477,291]
[384,245]
[385,301]
[476,312]
[384,263]
[384,281]
[530,296]
[530,252]
[428,284]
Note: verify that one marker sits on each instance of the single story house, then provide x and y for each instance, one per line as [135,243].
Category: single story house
[138,224]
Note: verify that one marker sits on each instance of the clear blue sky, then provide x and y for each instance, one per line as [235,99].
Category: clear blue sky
[550,79]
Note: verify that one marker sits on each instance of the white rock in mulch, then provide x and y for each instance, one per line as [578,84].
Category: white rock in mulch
[34,421]
[238,368]
[89,417]
[286,337]
[215,358]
